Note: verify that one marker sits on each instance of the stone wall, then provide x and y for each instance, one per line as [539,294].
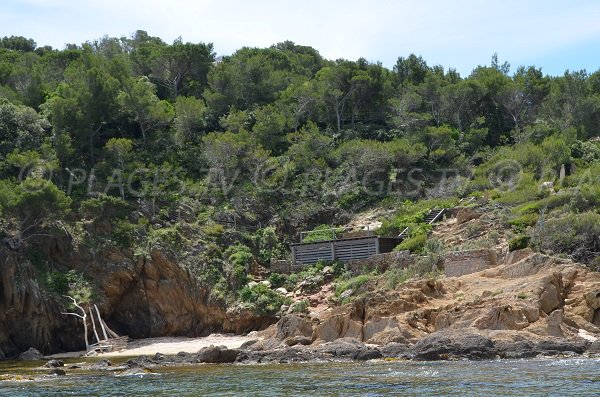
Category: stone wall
[381,262]
[466,262]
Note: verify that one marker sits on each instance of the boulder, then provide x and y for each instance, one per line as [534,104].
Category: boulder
[217,354]
[395,350]
[552,347]
[57,371]
[54,364]
[515,349]
[448,344]
[368,354]
[343,347]
[550,298]
[594,348]
[102,364]
[31,355]
[293,325]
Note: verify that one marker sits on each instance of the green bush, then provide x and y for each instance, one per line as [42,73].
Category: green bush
[322,233]
[123,233]
[354,283]
[104,206]
[277,280]
[518,243]
[521,223]
[413,244]
[240,258]
[264,300]
[577,235]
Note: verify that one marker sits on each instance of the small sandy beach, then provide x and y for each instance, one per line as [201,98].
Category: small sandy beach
[168,345]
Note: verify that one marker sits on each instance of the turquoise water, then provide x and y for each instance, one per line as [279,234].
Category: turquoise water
[539,377]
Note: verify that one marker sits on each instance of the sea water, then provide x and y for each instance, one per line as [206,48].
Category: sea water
[534,377]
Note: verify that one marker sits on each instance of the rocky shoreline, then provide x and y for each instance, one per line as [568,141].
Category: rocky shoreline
[437,346]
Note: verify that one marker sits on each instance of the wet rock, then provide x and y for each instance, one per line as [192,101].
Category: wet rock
[57,371]
[217,354]
[54,364]
[283,355]
[444,345]
[368,354]
[343,347]
[553,347]
[2,356]
[395,350]
[102,364]
[140,362]
[31,355]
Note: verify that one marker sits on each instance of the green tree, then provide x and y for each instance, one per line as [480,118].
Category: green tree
[34,205]
[138,99]
[21,128]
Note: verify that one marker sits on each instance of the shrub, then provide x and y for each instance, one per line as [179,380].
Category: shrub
[522,222]
[322,233]
[354,284]
[104,206]
[277,280]
[300,306]
[577,235]
[413,244]
[518,243]
[264,300]
[239,257]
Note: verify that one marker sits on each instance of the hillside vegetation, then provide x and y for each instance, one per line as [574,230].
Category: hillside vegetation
[134,144]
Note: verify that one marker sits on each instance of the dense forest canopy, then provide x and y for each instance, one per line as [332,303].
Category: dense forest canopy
[140,131]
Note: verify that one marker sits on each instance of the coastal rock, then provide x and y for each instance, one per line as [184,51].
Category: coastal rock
[552,347]
[395,350]
[443,345]
[31,355]
[102,364]
[293,325]
[217,354]
[298,340]
[343,347]
[594,348]
[515,349]
[346,322]
[54,364]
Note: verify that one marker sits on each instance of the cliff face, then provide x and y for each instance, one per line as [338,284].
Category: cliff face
[27,316]
[137,297]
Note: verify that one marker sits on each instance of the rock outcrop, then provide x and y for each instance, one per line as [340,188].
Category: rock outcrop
[138,297]
[531,305]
